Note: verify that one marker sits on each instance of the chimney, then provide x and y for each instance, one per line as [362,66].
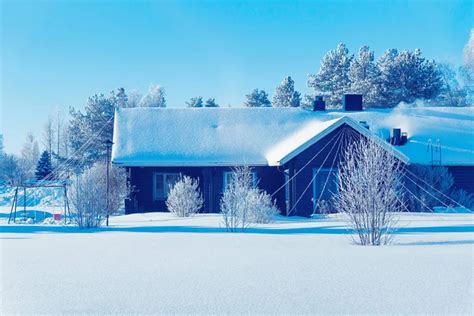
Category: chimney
[404,138]
[396,137]
[319,104]
[352,102]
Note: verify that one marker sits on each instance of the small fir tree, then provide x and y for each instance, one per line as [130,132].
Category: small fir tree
[44,168]
[285,94]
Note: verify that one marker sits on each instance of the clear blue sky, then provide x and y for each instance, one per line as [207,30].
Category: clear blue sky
[54,54]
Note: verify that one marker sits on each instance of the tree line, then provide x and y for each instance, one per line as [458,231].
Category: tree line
[79,138]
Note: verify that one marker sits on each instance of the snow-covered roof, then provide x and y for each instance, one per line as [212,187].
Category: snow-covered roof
[272,136]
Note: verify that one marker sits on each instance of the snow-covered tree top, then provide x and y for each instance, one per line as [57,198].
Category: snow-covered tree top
[264,136]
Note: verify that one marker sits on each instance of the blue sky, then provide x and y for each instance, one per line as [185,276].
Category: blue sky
[54,54]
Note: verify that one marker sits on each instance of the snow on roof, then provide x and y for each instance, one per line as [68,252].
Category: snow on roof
[447,128]
[269,136]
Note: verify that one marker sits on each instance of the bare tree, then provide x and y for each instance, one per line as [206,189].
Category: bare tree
[370,191]
[48,135]
[29,158]
[88,195]
[185,198]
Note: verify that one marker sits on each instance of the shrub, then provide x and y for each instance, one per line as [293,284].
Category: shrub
[88,195]
[262,209]
[185,198]
[242,204]
[369,186]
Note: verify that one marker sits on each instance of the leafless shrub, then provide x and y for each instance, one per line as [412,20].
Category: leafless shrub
[369,190]
[243,204]
[185,198]
[262,209]
[88,195]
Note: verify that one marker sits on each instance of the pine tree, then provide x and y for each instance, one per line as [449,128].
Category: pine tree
[89,132]
[307,101]
[364,76]
[387,66]
[285,94]
[121,98]
[211,103]
[406,77]
[451,92]
[44,167]
[154,98]
[257,98]
[332,79]
[195,102]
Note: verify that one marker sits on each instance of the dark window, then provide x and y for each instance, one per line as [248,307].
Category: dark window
[162,184]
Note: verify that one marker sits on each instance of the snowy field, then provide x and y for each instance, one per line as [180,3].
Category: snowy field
[155,263]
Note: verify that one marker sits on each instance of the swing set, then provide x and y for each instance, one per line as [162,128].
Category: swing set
[23,188]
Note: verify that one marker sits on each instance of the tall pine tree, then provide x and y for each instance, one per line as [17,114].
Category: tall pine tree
[89,131]
[44,168]
[364,76]
[407,77]
[332,79]
[285,94]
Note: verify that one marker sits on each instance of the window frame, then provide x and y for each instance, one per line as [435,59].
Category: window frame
[157,197]
[225,181]
[329,170]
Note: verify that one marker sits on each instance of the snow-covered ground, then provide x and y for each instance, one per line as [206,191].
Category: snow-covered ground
[156,263]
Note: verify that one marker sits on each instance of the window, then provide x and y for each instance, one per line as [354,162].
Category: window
[228,178]
[287,186]
[325,184]
[162,184]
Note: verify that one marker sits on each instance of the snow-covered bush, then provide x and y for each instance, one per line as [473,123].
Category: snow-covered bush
[88,195]
[424,185]
[463,198]
[243,204]
[325,207]
[369,190]
[262,209]
[185,198]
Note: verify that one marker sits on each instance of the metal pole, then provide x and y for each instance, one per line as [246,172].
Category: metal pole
[108,144]
[24,203]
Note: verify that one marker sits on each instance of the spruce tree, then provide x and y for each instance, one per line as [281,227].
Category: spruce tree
[285,94]
[44,167]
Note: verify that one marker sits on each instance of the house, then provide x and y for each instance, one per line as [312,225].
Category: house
[286,148]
